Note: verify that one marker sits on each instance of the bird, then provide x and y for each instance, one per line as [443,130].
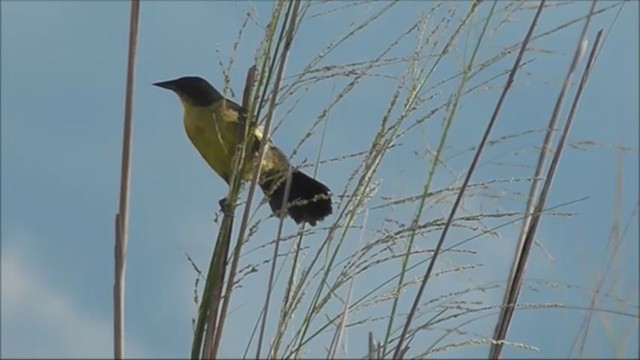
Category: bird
[214,125]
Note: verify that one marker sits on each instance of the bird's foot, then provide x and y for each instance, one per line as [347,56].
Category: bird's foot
[224,206]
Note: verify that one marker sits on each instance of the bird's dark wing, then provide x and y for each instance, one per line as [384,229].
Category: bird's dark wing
[276,159]
[242,113]
[236,113]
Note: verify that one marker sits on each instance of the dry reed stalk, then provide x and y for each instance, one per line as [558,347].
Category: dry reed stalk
[272,105]
[215,317]
[122,217]
[535,203]
[399,347]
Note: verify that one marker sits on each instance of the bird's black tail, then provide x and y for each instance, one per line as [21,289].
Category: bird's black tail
[309,200]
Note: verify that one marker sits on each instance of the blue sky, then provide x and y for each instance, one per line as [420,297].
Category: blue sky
[63,74]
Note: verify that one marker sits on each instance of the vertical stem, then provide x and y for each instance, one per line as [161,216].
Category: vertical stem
[521,255]
[122,217]
[400,348]
[265,313]
[256,171]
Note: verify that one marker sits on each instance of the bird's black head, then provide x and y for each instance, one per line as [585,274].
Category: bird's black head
[193,89]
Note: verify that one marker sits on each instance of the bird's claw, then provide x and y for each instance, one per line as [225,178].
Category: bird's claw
[224,206]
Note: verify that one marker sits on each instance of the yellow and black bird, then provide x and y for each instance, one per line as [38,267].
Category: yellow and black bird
[214,124]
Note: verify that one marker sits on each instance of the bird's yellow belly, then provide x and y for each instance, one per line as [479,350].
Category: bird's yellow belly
[214,140]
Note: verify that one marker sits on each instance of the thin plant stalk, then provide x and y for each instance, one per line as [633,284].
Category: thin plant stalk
[613,247]
[400,349]
[615,241]
[336,341]
[122,217]
[249,103]
[427,186]
[213,335]
[529,227]
[253,184]
[208,313]
[217,270]
[286,311]
[276,247]
[382,141]
[215,278]
[250,126]
[276,86]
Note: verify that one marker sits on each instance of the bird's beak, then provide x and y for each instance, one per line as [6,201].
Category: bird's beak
[170,85]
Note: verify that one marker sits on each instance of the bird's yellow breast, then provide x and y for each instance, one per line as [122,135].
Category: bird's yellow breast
[213,132]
